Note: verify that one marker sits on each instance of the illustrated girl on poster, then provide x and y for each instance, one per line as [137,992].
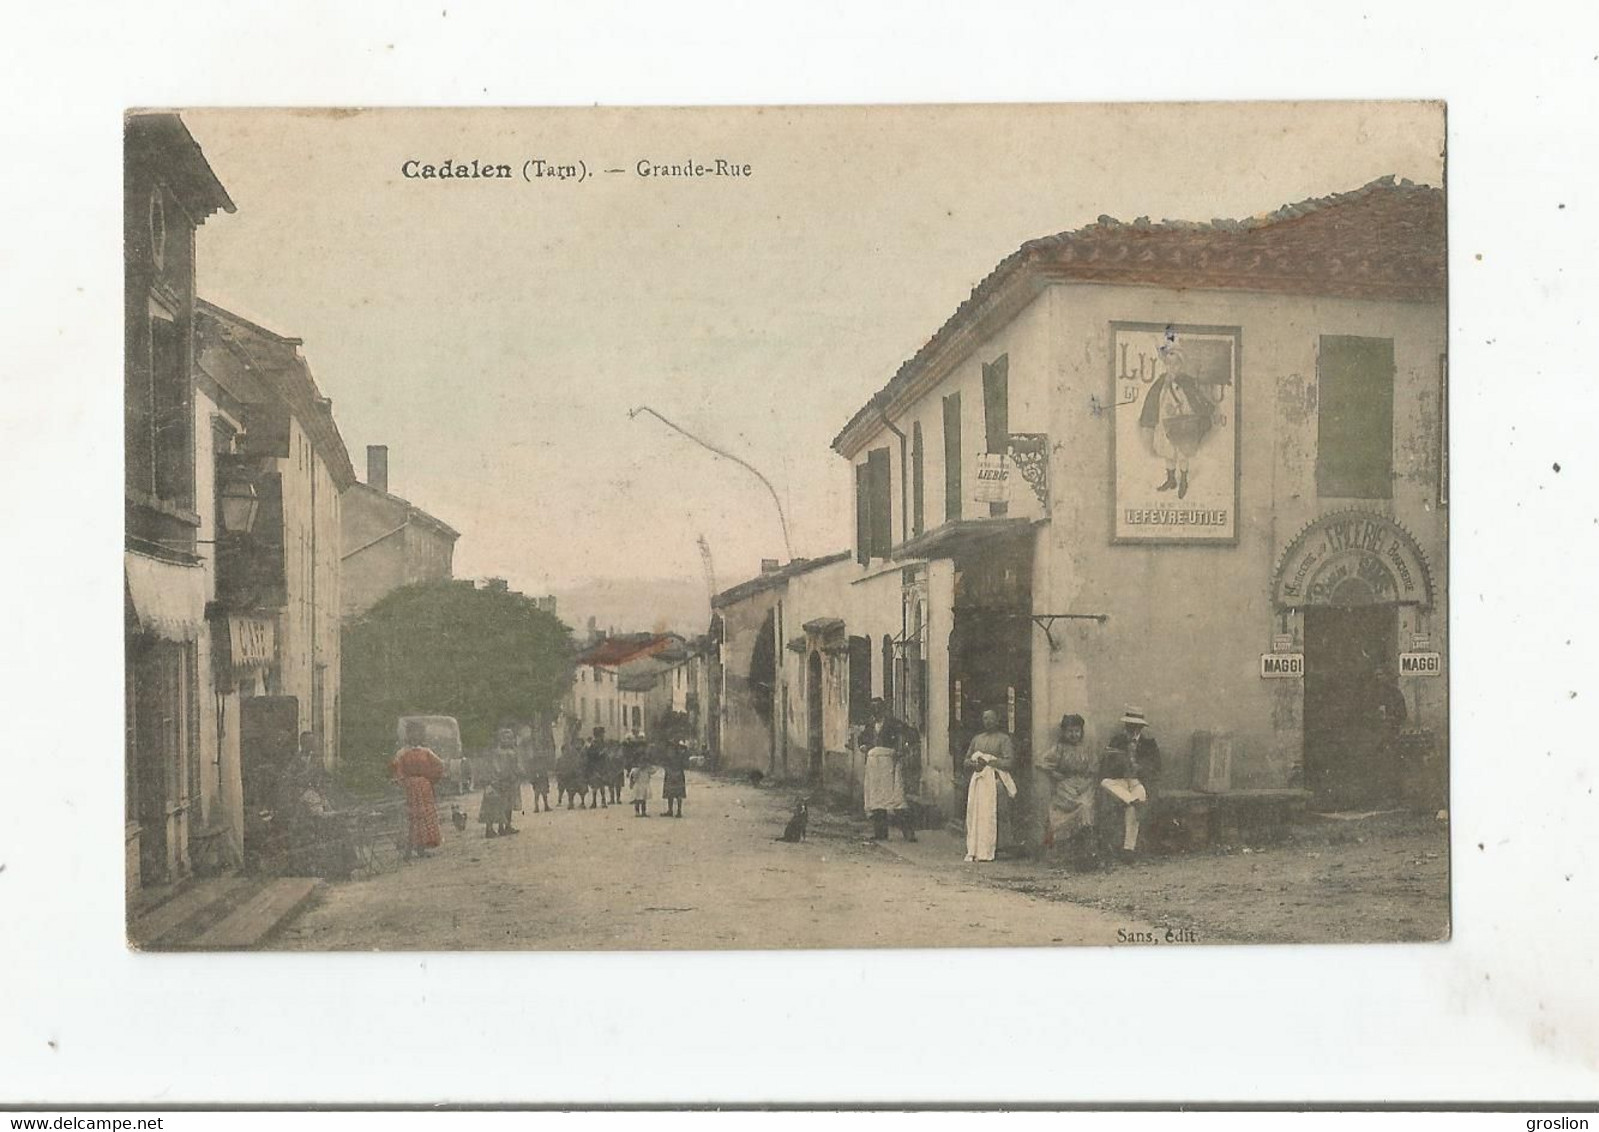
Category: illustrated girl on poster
[1177,416]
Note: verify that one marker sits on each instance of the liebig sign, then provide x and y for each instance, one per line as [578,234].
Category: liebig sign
[1282,665]
[1421,664]
[993,478]
[1353,558]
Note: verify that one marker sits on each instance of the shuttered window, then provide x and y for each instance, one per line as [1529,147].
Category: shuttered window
[952,457]
[917,462]
[880,509]
[996,412]
[863,526]
[1355,418]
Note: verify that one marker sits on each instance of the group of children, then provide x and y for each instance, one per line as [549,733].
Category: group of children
[593,776]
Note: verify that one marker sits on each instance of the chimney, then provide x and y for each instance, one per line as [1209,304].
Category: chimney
[497,585]
[770,565]
[377,467]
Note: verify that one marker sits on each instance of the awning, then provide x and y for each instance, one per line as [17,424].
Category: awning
[166,600]
[961,536]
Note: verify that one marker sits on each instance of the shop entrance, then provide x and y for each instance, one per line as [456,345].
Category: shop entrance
[1351,760]
[990,653]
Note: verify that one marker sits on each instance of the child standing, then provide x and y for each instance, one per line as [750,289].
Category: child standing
[638,777]
[674,783]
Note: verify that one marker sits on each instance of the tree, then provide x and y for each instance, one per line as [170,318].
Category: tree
[488,657]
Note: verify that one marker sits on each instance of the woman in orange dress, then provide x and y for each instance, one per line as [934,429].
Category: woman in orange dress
[416,769]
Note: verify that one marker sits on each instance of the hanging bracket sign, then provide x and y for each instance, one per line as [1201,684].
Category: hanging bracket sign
[993,478]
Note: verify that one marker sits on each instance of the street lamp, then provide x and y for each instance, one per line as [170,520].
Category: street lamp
[238,502]
[782,519]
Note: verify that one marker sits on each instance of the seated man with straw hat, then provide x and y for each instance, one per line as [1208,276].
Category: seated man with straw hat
[1130,774]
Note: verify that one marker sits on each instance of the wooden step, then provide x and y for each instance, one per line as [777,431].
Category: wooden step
[258,916]
[148,930]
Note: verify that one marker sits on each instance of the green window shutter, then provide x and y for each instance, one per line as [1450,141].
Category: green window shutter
[879,512]
[952,457]
[1355,418]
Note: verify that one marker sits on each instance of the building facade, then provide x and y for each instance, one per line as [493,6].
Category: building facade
[168,191]
[1198,469]
[275,641]
[388,541]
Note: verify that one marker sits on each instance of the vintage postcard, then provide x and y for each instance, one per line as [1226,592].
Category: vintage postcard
[827,527]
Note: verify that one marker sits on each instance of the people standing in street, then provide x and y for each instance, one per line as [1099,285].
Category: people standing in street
[990,757]
[616,763]
[674,779]
[569,780]
[595,772]
[638,777]
[538,777]
[884,785]
[501,793]
[1067,780]
[416,768]
[1129,780]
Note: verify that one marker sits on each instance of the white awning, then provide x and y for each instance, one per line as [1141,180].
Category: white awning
[168,600]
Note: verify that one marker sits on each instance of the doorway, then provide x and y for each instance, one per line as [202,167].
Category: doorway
[813,715]
[1349,762]
[991,655]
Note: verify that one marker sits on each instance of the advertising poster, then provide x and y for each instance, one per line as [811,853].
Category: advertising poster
[1176,448]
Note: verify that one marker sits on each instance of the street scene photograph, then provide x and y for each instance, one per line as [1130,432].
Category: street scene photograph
[628,529]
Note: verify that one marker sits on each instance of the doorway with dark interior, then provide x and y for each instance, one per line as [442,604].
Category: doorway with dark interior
[813,715]
[1350,756]
[990,655]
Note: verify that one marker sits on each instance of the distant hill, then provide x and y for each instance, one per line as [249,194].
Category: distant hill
[636,605]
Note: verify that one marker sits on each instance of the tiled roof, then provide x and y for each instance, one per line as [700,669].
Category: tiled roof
[1383,241]
[614,651]
[762,582]
[270,363]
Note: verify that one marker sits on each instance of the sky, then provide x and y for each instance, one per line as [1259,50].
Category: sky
[496,333]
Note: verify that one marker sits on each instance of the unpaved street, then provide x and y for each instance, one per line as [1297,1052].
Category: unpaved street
[717,878]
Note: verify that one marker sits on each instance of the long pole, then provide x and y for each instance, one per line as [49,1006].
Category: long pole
[722,452]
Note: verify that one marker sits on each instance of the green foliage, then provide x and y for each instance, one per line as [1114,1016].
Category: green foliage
[484,656]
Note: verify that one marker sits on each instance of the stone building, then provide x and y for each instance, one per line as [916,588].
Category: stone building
[170,494]
[389,542]
[1196,468]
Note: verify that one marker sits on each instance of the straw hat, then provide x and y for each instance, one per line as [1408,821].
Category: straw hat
[1134,715]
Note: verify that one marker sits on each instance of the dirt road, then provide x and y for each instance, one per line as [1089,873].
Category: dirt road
[716,878]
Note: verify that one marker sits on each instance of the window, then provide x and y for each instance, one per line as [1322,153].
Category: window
[996,412]
[160,435]
[917,462]
[952,457]
[879,511]
[1355,418]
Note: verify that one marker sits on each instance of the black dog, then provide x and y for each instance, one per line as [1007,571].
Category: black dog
[795,829]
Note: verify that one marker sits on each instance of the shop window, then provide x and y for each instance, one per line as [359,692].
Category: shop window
[952,457]
[1355,418]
